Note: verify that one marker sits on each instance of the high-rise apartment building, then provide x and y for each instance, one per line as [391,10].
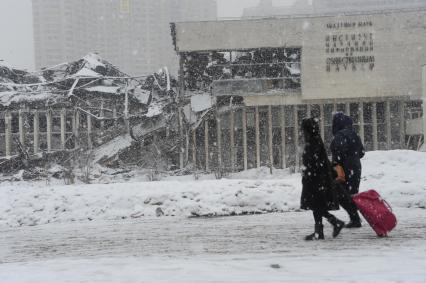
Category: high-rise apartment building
[132,34]
[341,6]
[265,8]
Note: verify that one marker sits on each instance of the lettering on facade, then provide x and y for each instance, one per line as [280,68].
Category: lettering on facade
[340,25]
[349,50]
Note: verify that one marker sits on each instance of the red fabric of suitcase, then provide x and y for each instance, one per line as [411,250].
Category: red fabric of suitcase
[376,211]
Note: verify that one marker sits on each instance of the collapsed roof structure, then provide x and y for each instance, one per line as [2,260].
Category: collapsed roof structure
[101,104]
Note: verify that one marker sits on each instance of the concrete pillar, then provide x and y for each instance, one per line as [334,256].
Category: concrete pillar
[270,137]
[102,114]
[21,120]
[181,142]
[257,126]
[219,141]
[8,133]
[232,138]
[63,128]
[244,120]
[114,114]
[388,126]
[402,124]
[334,107]
[76,126]
[89,130]
[423,148]
[206,143]
[348,108]
[283,139]
[296,137]
[308,111]
[36,131]
[322,118]
[194,148]
[361,122]
[374,120]
[49,130]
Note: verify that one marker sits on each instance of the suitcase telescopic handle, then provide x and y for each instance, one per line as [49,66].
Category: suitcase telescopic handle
[387,204]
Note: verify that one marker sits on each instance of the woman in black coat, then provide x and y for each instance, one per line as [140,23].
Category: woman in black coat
[318,192]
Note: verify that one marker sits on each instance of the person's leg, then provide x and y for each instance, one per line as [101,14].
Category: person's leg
[337,223]
[319,229]
[345,201]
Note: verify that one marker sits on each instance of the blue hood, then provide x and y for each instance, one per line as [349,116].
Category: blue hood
[340,122]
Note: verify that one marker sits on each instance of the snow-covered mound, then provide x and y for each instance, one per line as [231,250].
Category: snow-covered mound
[398,175]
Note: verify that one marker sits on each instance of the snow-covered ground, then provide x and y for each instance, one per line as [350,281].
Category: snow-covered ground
[398,175]
[112,232]
[257,248]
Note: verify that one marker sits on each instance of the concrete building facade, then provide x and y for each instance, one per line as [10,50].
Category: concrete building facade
[133,34]
[368,65]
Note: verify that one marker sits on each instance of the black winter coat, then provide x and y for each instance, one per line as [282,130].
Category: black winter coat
[318,191]
[347,151]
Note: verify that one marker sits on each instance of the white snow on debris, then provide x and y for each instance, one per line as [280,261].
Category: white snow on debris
[155,109]
[104,89]
[85,72]
[93,61]
[201,102]
[142,95]
[112,147]
[8,97]
[397,175]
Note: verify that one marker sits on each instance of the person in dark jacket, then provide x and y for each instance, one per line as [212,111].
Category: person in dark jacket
[318,193]
[347,151]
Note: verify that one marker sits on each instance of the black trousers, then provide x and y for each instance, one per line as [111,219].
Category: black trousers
[319,213]
[345,201]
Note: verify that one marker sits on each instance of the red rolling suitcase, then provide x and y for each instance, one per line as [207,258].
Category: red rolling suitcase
[376,211]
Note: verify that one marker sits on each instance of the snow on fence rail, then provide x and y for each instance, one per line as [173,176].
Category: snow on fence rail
[48,130]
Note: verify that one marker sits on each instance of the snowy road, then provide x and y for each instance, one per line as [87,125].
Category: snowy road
[230,249]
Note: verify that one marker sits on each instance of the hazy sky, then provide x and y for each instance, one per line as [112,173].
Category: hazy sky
[16,44]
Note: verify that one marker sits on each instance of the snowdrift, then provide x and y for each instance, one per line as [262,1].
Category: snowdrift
[398,176]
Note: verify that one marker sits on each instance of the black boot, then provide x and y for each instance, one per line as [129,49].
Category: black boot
[355,220]
[337,225]
[354,224]
[318,235]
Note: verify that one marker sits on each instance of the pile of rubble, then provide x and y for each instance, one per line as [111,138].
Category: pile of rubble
[144,119]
